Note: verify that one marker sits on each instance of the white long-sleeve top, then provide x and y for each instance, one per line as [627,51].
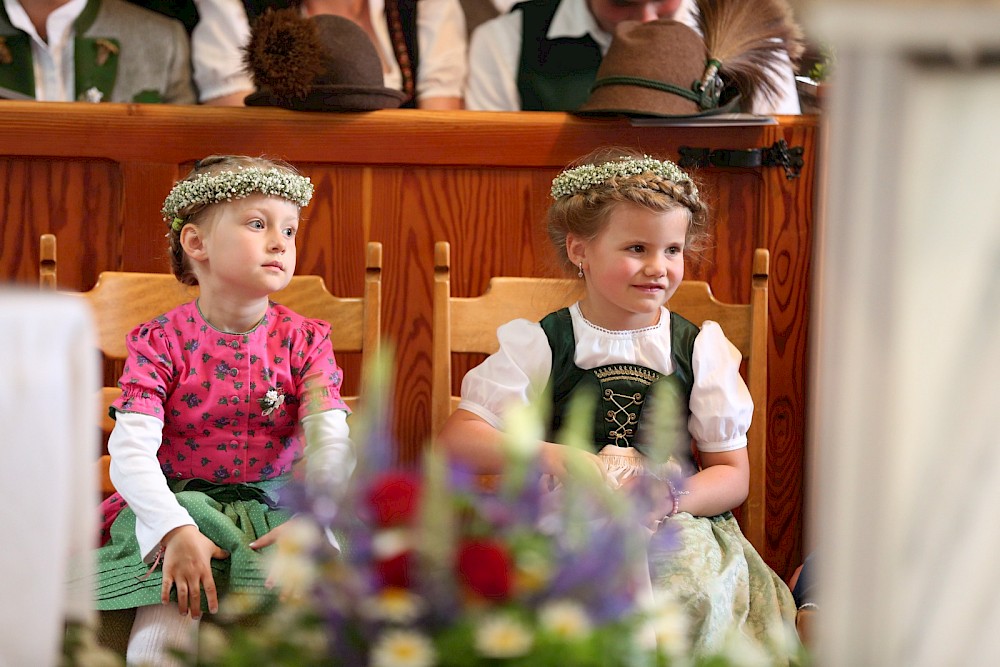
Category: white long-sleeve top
[135,470]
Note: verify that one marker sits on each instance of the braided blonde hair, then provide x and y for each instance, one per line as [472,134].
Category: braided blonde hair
[585,211]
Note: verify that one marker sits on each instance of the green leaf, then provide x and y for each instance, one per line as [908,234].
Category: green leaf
[437,523]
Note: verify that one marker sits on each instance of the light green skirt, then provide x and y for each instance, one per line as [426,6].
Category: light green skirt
[725,586]
[232,516]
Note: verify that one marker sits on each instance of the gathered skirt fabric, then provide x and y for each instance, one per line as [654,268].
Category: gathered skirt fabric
[715,574]
[724,586]
[229,518]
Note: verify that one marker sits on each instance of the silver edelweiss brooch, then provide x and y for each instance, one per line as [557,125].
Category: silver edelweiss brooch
[271,401]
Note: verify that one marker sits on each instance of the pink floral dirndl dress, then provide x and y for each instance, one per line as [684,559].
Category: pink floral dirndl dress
[230,405]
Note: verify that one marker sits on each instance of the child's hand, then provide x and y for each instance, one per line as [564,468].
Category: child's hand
[653,494]
[270,537]
[295,538]
[187,565]
[554,458]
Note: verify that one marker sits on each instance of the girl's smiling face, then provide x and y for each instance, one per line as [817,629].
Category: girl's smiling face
[632,267]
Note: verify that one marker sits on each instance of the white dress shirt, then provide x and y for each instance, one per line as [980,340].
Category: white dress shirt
[55,74]
[441,41]
[217,43]
[495,55]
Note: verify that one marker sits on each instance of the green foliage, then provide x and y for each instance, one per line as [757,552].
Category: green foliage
[824,65]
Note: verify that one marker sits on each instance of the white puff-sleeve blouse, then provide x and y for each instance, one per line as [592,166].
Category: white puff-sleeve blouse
[721,407]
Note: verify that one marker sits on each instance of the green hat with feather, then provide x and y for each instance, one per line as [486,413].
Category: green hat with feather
[664,68]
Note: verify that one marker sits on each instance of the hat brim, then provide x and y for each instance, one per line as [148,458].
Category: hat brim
[332,98]
[633,110]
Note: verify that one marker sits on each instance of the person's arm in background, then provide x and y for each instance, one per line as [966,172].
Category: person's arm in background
[179,87]
[493,62]
[217,53]
[444,62]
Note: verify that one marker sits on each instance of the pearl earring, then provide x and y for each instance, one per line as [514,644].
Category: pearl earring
[580,273]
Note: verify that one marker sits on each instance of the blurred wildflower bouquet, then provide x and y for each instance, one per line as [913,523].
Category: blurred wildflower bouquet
[433,570]
[436,572]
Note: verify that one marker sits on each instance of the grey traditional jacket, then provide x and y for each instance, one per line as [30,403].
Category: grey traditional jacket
[122,53]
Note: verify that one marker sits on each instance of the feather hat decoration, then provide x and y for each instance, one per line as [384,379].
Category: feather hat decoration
[666,68]
[321,63]
[746,40]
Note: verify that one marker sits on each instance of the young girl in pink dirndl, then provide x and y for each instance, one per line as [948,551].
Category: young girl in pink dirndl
[217,395]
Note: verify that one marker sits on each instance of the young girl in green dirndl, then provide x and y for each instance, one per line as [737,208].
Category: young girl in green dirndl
[622,223]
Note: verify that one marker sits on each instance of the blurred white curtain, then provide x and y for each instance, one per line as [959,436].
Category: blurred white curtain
[906,373]
[48,490]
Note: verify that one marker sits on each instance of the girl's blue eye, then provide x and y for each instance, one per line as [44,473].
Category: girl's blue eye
[289,232]
[257,224]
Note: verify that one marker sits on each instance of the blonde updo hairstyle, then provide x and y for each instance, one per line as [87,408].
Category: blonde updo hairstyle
[196,213]
[586,212]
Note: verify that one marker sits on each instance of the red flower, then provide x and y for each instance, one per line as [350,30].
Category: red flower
[394,572]
[485,568]
[393,498]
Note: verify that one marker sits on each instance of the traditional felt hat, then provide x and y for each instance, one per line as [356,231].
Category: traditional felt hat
[664,68]
[321,63]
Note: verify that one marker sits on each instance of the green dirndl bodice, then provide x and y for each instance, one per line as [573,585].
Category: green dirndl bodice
[713,572]
[231,515]
[622,390]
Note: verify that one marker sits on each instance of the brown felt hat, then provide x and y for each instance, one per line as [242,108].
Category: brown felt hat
[657,68]
[321,63]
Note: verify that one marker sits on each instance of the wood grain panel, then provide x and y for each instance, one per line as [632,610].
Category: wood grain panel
[732,198]
[787,214]
[144,186]
[96,175]
[77,199]
[406,209]
[331,241]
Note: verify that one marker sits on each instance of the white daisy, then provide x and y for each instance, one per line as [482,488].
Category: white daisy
[396,605]
[402,648]
[292,565]
[391,542]
[503,636]
[566,619]
[213,642]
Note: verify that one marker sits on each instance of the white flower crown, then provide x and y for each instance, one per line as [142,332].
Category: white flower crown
[229,185]
[587,176]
